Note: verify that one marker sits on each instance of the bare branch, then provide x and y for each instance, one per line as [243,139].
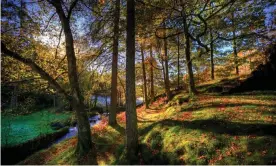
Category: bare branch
[48,23]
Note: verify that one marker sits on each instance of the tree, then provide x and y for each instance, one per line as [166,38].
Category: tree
[113,109]
[178,64]
[144,77]
[212,55]
[151,74]
[166,67]
[235,45]
[131,116]
[85,146]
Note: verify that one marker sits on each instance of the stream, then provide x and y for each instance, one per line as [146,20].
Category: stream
[73,130]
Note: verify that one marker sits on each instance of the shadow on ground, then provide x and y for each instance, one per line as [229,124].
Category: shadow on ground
[219,126]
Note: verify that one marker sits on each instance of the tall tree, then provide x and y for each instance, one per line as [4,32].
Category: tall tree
[113,110]
[166,67]
[151,75]
[235,52]
[144,77]
[178,63]
[192,88]
[131,115]
[85,144]
[212,55]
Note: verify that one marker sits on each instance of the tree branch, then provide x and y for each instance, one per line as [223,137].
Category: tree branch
[43,74]
[74,3]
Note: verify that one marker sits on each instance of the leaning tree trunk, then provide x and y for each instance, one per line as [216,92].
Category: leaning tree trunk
[144,78]
[113,109]
[192,89]
[151,76]
[131,116]
[167,79]
[85,145]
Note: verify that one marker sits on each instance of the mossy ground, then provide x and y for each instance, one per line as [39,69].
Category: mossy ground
[210,129]
[22,128]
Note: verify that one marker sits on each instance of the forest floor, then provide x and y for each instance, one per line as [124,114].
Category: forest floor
[209,129]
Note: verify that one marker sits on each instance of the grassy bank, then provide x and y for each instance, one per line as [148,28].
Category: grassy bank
[19,129]
[210,129]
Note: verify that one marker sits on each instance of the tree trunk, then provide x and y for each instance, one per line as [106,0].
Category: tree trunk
[119,98]
[131,116]
[113,109]
[151,76]
[163,71]
[85,145]
[167,79]
[235,46]
[106,104]
[144,78]
[178,65]
[235,54]
[212,56]
[192,89]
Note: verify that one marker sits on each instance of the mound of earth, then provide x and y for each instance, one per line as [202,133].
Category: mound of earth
[264,77]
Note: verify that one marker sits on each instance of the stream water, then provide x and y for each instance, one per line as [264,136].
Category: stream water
[73,130]
[103,100]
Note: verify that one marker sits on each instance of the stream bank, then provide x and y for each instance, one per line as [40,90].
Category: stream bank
[13,154]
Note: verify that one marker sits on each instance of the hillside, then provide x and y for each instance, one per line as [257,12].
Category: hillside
[209,129]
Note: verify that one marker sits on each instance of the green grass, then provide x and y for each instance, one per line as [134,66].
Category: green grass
[211,129]
[19,129]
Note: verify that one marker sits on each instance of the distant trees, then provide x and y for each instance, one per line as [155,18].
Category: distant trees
[204,24]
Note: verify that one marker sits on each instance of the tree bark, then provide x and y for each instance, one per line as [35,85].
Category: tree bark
[212,56]
[235,54]
[151,76]
[192,89]
[235,46]
[167,79]
[163,71]
[113,110]
[131,116]
[178,65]
[144,78]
